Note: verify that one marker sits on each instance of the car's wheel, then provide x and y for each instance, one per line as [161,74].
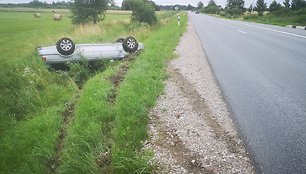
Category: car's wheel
[130,45]
[120,40]
[65,46]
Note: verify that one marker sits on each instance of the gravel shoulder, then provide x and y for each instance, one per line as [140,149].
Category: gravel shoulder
[190,127]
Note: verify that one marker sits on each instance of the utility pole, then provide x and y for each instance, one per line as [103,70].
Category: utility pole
[252,7]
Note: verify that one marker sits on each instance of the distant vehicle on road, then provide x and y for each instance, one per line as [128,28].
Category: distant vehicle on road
[197,12]
[66,51]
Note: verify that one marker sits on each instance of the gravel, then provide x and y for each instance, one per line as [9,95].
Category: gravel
[190,127]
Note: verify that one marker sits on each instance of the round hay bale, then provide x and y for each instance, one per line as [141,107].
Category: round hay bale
[57,17]
[37,15]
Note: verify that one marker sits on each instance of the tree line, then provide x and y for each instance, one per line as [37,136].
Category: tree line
[236,7]
[39,4]
[143,11]
[93,11]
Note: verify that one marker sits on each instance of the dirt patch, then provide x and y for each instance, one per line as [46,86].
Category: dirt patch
[177,149]
[104,159]
[67,115]
[199,105]
[117,78]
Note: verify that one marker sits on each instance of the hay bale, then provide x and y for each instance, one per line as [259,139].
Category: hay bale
[37,15]
[57,17]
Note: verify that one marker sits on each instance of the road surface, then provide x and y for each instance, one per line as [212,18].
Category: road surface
[261,70]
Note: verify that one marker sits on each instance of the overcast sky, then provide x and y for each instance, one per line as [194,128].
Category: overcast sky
[159,2]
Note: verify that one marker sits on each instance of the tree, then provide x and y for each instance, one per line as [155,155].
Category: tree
[212,8]
[190,7]
[287,3]
[274,6]
[298,4]
[86,11]
[200,5]
[212,3]
[143,11]
[235,7]
[156,7]
[261,6]
[125,5]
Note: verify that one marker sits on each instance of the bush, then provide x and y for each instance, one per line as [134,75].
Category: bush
[235,12]
[301,19]
[301,12]
[211,9]
[222,13]
[283,12]
[250,17]
[143,11]
[80,72]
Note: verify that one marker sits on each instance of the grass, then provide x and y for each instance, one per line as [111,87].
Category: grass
[22,32]
[89,132]
[137,94]
[281,17]
[105,135]
[31,121]
[29,147]
[277,19]
[28,89]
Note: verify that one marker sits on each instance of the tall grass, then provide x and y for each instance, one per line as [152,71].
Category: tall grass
[29,90]
[88,134]
[24,79]
[91,139]
[32,98]
[138,92]
[29,147]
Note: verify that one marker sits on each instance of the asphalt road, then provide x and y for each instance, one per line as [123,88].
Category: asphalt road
[261,70]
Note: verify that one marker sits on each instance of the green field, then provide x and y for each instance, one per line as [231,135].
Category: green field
[22,32]
[51,124]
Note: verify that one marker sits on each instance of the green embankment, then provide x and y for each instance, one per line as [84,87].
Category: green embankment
[138,93]
[108,134]
[50,126]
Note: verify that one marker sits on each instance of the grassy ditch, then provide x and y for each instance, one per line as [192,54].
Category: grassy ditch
[48,125]
[27,87]
[110,122]
[89,132]
[31,97]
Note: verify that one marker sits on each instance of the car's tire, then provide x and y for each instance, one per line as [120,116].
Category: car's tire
[130,45]
[120,40]
[65,46]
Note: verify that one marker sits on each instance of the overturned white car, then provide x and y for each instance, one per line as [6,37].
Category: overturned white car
[66,51]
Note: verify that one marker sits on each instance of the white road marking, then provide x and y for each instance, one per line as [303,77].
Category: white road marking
[283,32]
[241,31]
